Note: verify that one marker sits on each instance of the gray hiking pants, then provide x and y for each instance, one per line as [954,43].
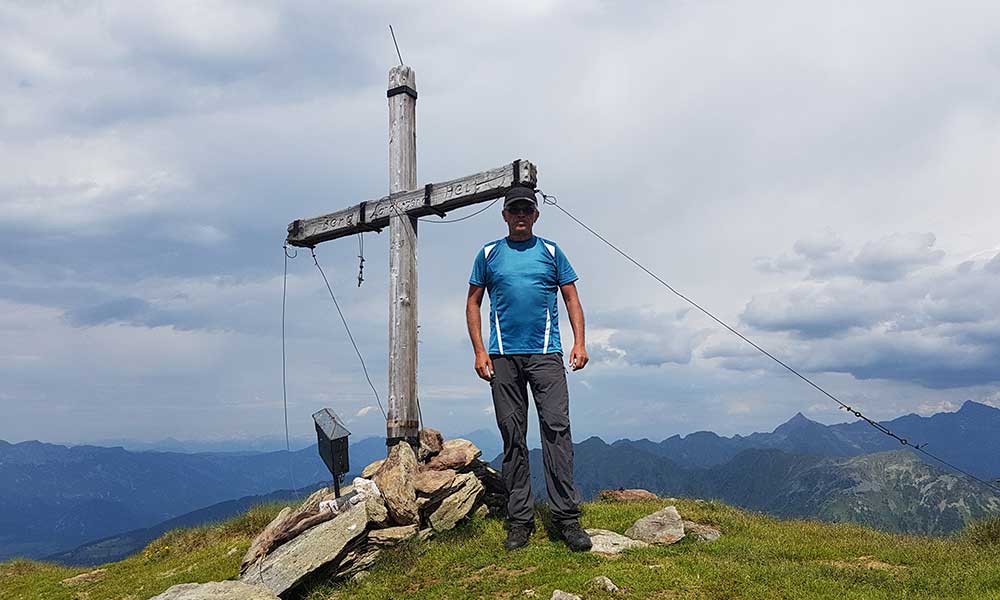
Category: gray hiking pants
[512,374]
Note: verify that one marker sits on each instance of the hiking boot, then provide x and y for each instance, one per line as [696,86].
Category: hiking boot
[576,538]
[517,536]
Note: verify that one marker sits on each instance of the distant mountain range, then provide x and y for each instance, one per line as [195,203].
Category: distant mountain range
[57,498]
[845,472]
[969,438]
[894,491]
[118,547]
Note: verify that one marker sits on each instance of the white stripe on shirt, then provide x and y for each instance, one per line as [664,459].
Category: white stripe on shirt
[548,326]
[496,317]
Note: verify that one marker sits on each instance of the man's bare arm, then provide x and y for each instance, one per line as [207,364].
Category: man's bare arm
[578,357]
[474,321]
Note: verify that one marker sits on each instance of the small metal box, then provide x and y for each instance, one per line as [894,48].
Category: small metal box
[332,439]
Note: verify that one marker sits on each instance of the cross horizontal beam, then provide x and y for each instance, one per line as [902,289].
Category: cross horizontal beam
[434,198]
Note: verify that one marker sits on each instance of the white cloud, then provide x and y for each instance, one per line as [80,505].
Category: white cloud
[73,184]
[641,336]
[896,255]
[934,326]
[154,153]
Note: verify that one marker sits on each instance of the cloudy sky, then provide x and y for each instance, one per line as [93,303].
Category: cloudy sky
[823,175]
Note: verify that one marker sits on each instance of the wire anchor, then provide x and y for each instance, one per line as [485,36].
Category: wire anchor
[361,259]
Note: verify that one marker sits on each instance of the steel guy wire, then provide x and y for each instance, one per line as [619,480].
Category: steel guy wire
[480,211]
[393,33]
[348,328]
[284,369]
[552,201]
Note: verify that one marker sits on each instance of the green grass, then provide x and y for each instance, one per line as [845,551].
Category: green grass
[208,553]
[758,557]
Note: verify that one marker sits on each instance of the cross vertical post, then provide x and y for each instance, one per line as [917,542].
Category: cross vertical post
[400,210]
[402,421]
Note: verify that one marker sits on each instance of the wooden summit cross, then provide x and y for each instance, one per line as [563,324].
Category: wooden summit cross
[400,210]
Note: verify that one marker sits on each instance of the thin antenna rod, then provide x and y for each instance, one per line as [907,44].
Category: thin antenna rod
[395,44]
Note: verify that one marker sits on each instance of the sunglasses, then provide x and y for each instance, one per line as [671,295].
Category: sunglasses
[521,209]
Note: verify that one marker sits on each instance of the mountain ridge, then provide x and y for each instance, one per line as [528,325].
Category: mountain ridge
[63,496]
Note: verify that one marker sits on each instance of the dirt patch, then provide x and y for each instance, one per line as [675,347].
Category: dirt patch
[496,570]
[82,578]
[865,562]
[630,495]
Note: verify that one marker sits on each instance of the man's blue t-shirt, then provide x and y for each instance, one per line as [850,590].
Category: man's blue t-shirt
[522,279]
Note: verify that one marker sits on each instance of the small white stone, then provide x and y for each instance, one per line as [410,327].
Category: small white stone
[609,542]
[606,584]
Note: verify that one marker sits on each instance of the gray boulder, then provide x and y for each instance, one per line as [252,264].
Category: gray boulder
[455,454]
[458,504]
[702,533]
[216,590]
[431,482]
[606,584]
[357,559]
[392,535]
[609,542]
[371,469]
[662,527]
[431,441]
[395,480]
[318,548]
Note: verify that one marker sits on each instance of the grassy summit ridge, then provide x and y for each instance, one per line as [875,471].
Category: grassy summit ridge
[758,557]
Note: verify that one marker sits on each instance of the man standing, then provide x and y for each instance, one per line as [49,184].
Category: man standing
[522,273]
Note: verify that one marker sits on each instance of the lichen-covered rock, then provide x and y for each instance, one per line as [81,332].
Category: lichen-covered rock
[311,504]
[395,480]
[392,535]
[702,533]
[370,470]
[216,590]
[628,495]
[431,442]
[455,454]
[609,542]
[606,584]
[489,476]
[262,544]
[321,547]
[367,491]
[561,595]
[358,557]
[431,482]
[662,527]
[458,504]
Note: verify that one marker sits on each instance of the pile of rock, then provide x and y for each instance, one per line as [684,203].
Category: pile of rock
[663,527]
[408,494]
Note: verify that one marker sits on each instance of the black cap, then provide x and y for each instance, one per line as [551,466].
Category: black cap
[519,193]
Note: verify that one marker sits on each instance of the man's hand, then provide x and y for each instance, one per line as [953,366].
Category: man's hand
[473,304]
[578,357]
[484,366]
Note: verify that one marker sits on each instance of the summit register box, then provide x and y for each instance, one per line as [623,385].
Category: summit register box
[332,439]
